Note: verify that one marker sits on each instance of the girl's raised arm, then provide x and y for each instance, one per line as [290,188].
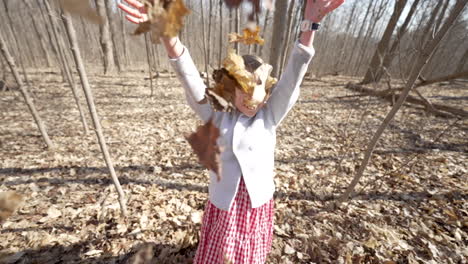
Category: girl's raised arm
[286,91]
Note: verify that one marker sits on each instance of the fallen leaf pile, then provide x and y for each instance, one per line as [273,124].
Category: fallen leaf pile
[411,206]
[165,18]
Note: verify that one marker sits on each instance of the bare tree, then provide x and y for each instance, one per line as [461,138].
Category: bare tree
[360,33]
[65,65]
[148,57]
[19,54]
[92,109]
[388,58]
[265,26]
[288,34]
[463,60]
[106,41]
[382,48]
[24,91]
[36,23]
[278,38]
[429,48]
[221,38]
[113,32]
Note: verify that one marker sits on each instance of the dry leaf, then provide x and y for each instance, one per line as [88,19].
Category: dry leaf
[203,143]
[222,95]
[81,8]
[9,202]
[256,6]
[234,64]
[165,18]
[234,75]
[250,36]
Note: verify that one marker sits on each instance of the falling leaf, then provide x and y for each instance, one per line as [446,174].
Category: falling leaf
[165,18]
[234,75]
[222,95]
[9,202]
[234,64]
[256,6]
[81,8]
[203,143]
[250,36]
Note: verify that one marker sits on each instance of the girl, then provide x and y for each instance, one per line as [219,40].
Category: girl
[237,224]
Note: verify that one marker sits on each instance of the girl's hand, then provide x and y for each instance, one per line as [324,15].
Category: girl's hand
[316,10]
[135,15]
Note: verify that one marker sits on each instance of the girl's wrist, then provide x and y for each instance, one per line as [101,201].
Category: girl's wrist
[173,46]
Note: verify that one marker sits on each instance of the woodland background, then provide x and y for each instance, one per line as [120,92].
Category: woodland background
[409,206]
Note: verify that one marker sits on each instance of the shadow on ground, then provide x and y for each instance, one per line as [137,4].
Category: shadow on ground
[144,253]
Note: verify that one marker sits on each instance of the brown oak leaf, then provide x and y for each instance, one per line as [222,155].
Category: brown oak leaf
[203,143]
[250,36]
[165,18]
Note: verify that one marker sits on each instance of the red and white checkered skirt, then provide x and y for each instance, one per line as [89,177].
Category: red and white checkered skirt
[239,236]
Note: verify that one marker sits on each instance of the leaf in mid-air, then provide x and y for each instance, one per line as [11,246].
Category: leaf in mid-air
[165,18]
[81,8]
[250,36]
[234,75]
[256,6]
[203,143]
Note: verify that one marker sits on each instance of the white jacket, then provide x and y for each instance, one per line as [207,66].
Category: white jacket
[248,144]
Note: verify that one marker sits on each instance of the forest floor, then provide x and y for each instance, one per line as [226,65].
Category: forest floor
[410,207]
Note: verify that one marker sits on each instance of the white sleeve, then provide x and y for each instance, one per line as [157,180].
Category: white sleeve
[194,87]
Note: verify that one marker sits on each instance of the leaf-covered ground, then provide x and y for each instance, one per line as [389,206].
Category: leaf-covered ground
[410,207]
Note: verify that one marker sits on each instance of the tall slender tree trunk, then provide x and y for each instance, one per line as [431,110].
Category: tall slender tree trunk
[124,38]
[376,17]
[375,66]
[17,51]
[61,49]
[113,32]
[205,47]
[264,29]
[388,59]
[210,16]
[24,91]
[148,59]
[221,36]
[54,39]
[341,49]
[277,42]
[92,109]
[289,30]
[48,30]
[106,41]
[237,28]
[360,35]
[461,64]
[418,67]
[39,35]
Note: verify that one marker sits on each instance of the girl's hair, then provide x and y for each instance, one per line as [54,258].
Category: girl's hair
[252,62]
